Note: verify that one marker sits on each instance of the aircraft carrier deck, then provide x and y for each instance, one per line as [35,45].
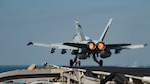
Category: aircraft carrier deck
[136,71]
[79,75]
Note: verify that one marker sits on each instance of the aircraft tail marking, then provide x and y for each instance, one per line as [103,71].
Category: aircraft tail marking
[105,30]
[79,31]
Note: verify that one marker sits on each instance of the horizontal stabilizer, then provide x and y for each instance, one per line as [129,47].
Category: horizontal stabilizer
[114,46]
[76,45]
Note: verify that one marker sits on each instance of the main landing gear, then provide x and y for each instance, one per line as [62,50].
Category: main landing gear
[100,62]
[72,62]
[75,61]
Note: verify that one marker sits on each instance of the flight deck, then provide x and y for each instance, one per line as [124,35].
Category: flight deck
[137,71]
[78,75]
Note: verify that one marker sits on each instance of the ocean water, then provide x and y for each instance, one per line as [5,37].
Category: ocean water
[5,68]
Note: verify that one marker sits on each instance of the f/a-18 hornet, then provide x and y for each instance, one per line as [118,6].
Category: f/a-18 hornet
[83,47]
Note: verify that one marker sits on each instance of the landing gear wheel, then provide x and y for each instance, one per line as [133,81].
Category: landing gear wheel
[101,63]
[79,63]
[71,62]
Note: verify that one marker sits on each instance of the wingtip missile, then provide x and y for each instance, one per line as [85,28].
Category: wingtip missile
[29,43]
[145,44]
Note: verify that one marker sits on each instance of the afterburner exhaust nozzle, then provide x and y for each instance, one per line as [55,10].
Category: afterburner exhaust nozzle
[101,45]
[91,45]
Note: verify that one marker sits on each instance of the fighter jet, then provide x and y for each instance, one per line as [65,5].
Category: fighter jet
[83,47]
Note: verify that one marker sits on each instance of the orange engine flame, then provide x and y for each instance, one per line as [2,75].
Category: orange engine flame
[91,46]
[101,46]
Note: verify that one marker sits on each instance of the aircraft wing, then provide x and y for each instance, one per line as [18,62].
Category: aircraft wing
[53,45]
[119,47]
[124,46]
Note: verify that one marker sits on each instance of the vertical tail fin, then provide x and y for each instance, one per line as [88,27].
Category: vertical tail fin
[105,30]
[79,31]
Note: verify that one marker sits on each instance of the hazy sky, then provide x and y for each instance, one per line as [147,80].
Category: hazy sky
[52,21]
